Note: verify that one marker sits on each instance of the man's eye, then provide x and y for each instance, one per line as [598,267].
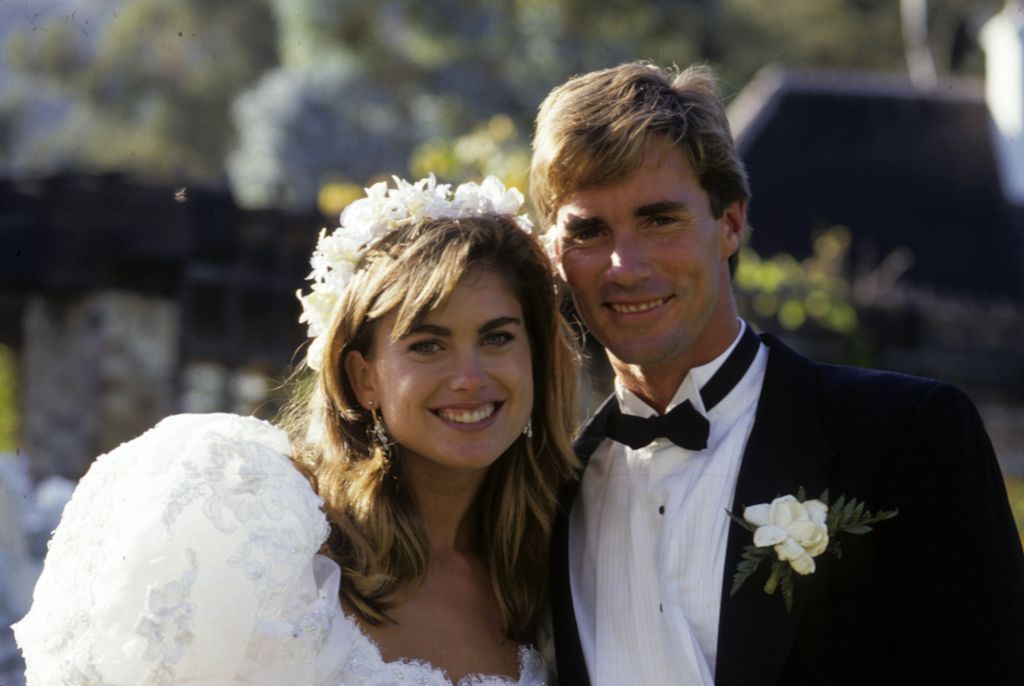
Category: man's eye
[582,235]
[663,220]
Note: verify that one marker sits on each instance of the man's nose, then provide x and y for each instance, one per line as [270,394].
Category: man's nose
[630,261]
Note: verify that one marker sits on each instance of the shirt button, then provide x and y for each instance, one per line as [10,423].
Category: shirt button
[661,510]
[660,608]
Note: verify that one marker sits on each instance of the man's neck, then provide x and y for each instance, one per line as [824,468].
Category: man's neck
[657,384]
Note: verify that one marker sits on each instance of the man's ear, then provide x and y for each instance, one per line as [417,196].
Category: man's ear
[731,226]
[362,376]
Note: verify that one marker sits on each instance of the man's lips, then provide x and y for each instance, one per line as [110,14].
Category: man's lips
[473,415]
[636,307]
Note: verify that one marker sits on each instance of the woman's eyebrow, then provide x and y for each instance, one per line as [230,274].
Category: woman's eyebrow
[498,322]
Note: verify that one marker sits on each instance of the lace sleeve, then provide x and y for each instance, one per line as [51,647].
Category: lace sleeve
[188,555]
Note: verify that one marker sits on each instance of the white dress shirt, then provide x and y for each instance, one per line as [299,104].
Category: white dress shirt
[647,539]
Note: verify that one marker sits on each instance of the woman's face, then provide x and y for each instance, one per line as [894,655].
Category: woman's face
[456,391]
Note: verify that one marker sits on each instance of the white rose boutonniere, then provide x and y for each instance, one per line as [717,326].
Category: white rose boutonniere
[797,531]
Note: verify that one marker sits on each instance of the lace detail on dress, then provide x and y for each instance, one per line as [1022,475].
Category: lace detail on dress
[230,483]
[167,623]
[366,667]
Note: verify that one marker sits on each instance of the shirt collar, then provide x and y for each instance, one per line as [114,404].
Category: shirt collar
[689,389]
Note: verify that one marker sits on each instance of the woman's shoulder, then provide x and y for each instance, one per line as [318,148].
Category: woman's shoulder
[211,472]
[189,432]
[186,551]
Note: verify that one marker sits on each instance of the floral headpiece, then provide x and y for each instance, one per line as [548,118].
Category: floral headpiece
[382,211]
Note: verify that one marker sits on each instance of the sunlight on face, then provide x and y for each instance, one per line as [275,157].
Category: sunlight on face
[647,263]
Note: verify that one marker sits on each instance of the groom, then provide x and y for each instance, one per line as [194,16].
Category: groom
[635,173]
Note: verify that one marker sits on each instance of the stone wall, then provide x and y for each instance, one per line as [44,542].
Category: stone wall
[97,369]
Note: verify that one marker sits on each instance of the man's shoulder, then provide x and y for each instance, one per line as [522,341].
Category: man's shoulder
[879,386]
[845,393]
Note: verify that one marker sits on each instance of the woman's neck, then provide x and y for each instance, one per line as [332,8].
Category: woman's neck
[445,499]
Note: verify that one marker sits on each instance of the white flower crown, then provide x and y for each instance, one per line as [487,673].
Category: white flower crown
[382,211]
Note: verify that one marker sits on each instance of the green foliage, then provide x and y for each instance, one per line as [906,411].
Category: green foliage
[495,147]
[10,416]
[1015,492]
[792,294]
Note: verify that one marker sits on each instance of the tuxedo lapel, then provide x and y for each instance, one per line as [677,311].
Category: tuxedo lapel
[786,450]
[572,669]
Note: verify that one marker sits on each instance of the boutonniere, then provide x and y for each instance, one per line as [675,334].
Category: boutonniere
[797,531]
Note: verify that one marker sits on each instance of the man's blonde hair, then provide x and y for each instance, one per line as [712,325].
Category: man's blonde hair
[594,130]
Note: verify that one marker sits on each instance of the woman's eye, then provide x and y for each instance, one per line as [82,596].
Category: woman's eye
[425,347]
[498,338]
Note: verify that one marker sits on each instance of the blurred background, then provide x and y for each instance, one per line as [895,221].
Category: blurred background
[166,165]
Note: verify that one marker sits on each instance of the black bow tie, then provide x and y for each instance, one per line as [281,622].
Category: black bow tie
[684,425]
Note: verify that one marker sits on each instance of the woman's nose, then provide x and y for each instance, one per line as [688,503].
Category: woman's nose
[468,372]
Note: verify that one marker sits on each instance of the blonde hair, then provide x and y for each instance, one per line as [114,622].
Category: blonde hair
[378,536]
[594,130]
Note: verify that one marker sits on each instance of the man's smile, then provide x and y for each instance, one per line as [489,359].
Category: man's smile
[635,308]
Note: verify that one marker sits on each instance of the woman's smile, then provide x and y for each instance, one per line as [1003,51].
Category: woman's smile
[468,417]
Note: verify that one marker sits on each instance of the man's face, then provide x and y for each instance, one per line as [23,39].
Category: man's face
[647,263]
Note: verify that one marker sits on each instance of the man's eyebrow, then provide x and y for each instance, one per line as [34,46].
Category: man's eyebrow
[662,207]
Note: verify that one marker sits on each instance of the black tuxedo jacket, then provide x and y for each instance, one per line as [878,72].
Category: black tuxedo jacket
[934,596]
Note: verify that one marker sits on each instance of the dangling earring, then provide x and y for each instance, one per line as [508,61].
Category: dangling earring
[528,429]
[380,433]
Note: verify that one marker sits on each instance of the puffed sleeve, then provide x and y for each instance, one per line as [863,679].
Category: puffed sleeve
[188,555]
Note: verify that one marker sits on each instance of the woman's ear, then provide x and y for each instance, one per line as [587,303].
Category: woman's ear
[361,375]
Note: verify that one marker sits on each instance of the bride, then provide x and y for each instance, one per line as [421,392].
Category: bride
[397,534]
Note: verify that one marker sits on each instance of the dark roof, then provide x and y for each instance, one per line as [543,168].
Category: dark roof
[79,232]
[896,166]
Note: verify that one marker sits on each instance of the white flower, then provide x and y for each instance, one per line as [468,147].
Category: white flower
[797,530]
[383,210]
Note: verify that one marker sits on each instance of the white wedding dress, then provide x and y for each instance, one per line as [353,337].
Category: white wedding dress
[189,556]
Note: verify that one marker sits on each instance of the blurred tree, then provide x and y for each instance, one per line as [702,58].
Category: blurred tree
[151,90]
[496,147]
[370,81]
[858,34]
[780,290]
[427,73]
[304,125]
